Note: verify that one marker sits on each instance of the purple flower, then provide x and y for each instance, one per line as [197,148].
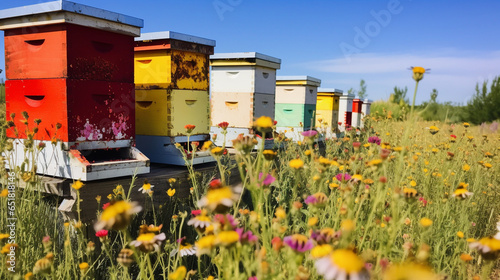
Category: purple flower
[318,199]
[374,139]
[343,177]
[310,200]
[268,180]
[248,236]
[325,235]
[298,242]
[253,278]
[309,133]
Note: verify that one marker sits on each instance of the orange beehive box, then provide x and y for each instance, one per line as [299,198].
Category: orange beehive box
[86,110]
[68,51]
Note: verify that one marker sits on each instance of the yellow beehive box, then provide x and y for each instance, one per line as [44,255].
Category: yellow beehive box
[324,103]
[165,112]
[324,118]
[328,99]
[172,60]
[328,118]
[240,109]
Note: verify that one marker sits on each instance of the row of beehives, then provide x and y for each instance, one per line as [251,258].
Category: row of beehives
[243,87]
[72,66]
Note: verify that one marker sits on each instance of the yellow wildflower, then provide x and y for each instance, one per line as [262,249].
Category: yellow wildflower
[227,238]
[117,216]
[264,122]
[178,274]
[77,185]
[170,192]
[425,222]
[347,225]
[321,251]
[280,213]
[296,164]
[312,221]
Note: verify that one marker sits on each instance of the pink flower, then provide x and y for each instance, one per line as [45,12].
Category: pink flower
[374,139]
[343,177]
[268,180]
[248,236]
[226,221]
[309,133]
[196,212]
[310,200]
[101,233]
[424,202]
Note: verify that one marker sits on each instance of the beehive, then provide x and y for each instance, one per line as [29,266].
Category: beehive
[165,112]
[244,72]
[345,111]
[240,109]
[172,60]
[71,66]
[296,98]
[172,91]
[68,51]
[365,109]
[295,115]
[86,110]
[356,112]
[171,79]
[242,89]
[327,108]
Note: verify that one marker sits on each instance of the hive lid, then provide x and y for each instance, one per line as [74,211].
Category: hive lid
[348,96]
[69,12]
[162,35]
[244,58]
[332,91]
[298,80]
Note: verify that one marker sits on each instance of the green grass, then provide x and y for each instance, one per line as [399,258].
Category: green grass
[2,93]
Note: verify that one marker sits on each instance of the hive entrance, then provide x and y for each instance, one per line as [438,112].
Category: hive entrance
[104,155]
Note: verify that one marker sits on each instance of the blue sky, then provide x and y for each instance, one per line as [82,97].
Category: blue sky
[341,42]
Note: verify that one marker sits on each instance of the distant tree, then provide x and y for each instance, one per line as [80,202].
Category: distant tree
[362,89]
[399,95]
[351,91]
[434,95]
[483,107]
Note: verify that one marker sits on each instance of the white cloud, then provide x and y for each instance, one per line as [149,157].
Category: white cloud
[453,72]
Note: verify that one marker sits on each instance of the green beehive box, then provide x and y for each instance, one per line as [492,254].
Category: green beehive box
[293,114]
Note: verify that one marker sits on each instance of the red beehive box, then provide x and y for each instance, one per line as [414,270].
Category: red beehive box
[356,105]
[86,110]
[68,51]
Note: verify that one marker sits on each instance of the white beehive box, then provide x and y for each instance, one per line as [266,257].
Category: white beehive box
[365,108]
[243,72]
[240,109]
[297,89]
[345,111]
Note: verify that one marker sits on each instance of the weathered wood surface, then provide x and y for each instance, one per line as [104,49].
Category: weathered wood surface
[158,178]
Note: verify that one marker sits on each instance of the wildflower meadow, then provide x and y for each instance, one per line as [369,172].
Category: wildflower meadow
[395,199]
